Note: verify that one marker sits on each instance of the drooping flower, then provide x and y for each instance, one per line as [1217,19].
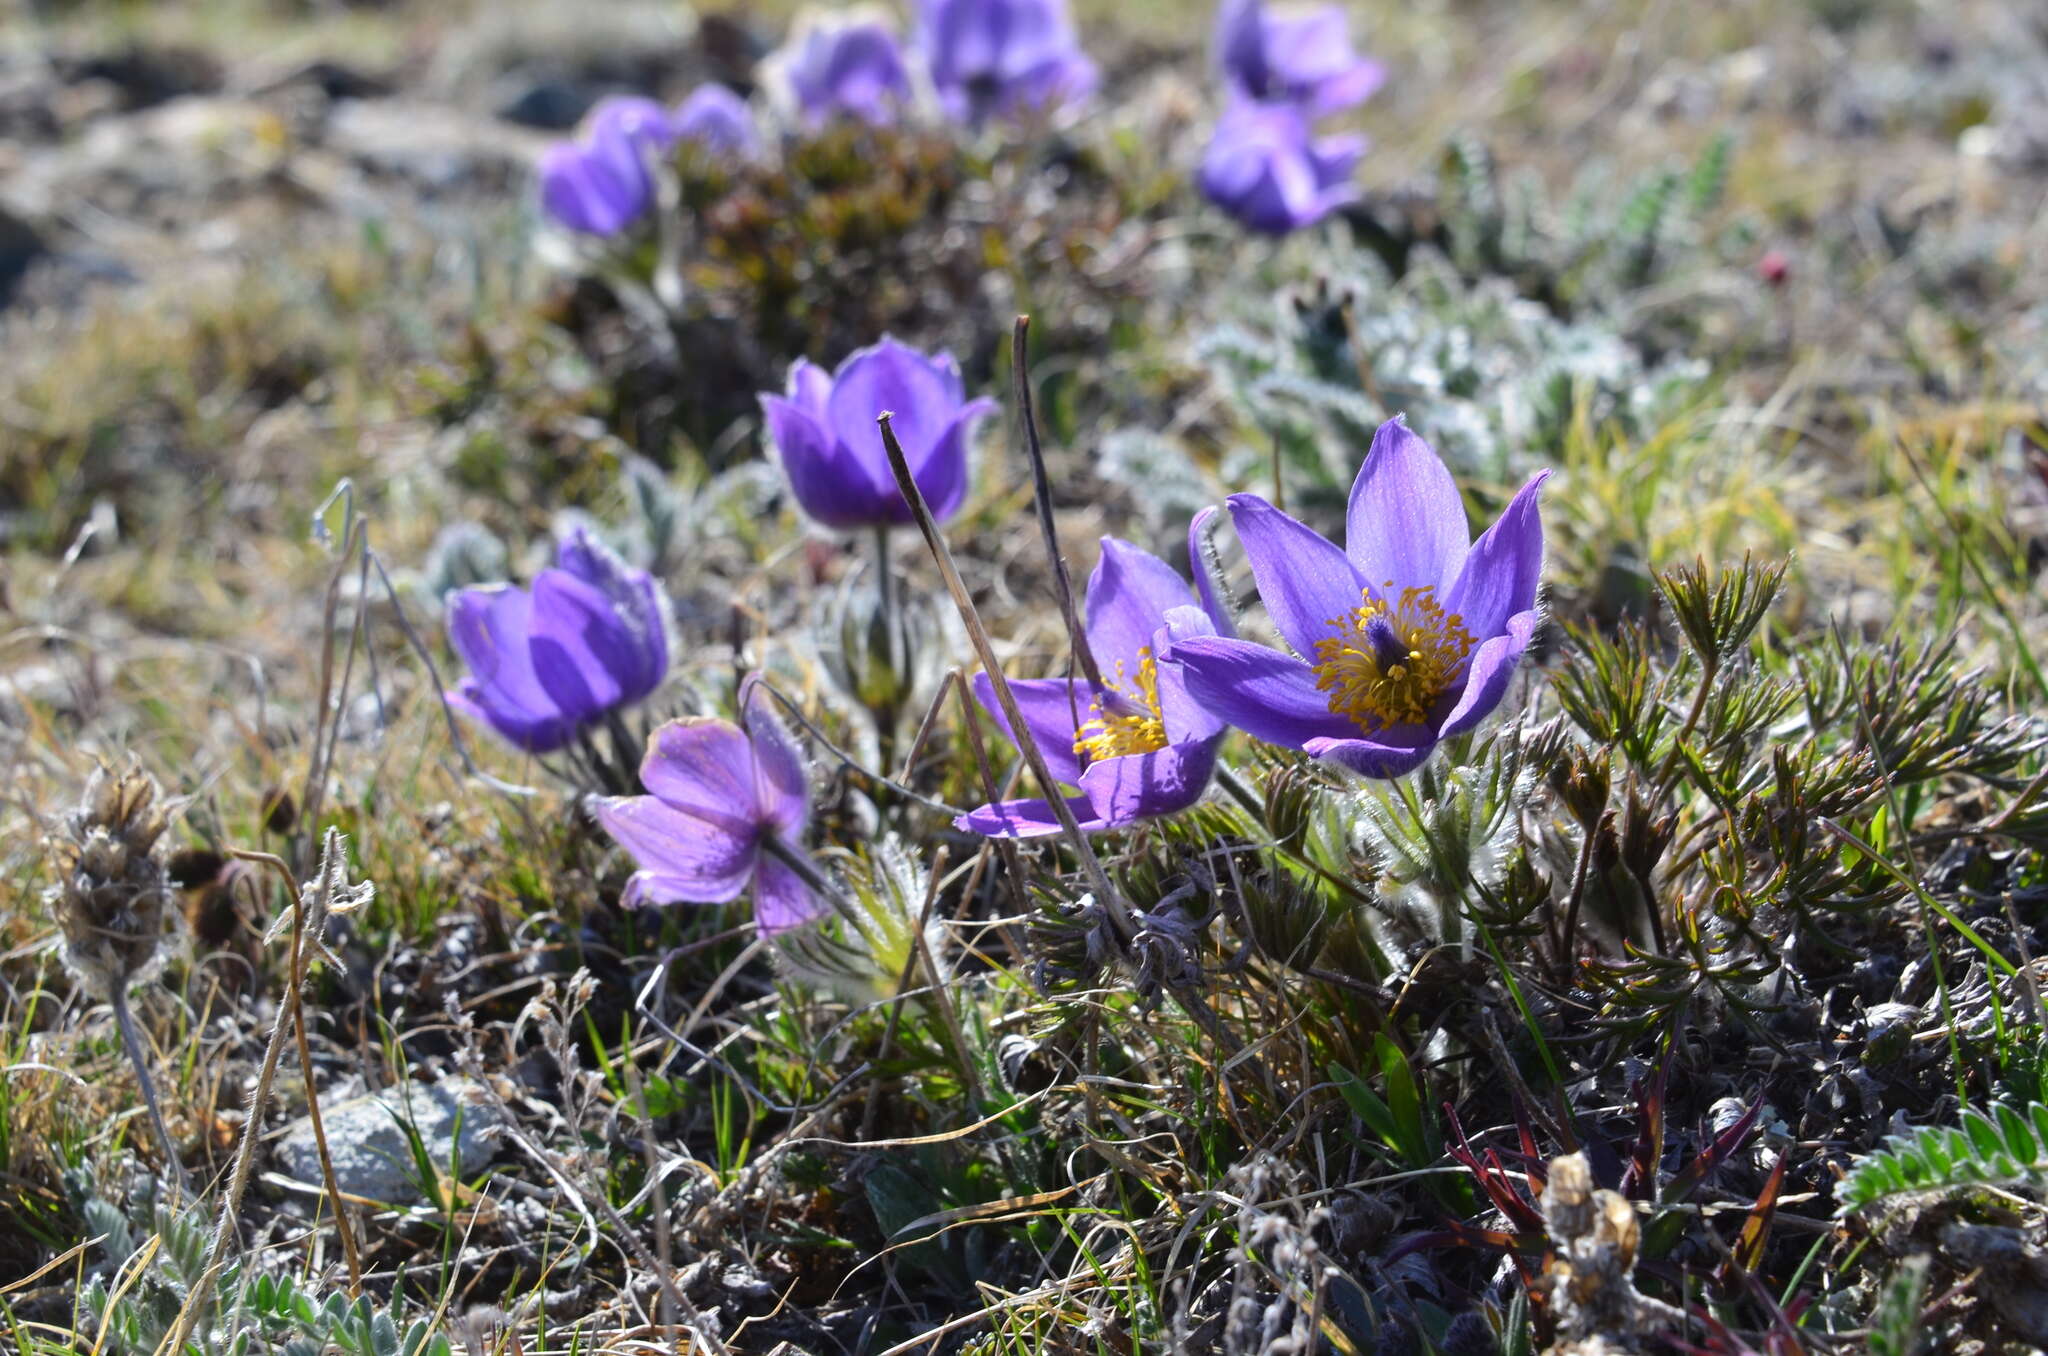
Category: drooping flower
[601,183]
[1298,55]
[994,58]
[1407,636]
[544,663]
[831,448]
[1140,746]
[718,120]
[726,810]
[842,65]
[1265,167]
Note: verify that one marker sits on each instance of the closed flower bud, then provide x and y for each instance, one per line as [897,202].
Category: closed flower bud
[1285,916]
[1582,782]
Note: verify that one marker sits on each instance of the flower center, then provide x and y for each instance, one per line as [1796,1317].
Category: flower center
[1131,723]
[1390,660]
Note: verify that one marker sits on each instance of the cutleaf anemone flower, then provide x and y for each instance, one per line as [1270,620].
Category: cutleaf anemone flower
[1405,637]
[1265,166]
[1294,54]
[725,814]
[831,449]
[1139,746]
[600,183]
[1001,57]
[842,65]
[548,662]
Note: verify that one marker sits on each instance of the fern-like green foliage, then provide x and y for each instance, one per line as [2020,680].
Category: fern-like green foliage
[2004,1147]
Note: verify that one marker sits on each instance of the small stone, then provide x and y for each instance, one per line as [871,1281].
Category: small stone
[372,1157]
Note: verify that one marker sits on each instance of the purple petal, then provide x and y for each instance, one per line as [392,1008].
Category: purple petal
[921,394]
[717,119]
[1183,716]
[1049,707]
[636,600]
[1488,673]
[1024,818]
[583,653]
[1205,587]
[942,477]
[1504,567]
[491,629]
[1304,580]
[782,787]
[518,726]
[1129,595]
[1390,754]
[1268,695]
[1141,785]
[1405,527]
[705,767]
[586,193]
[781,899]
[853,68]
[682,856]
[834,488]
[631,120]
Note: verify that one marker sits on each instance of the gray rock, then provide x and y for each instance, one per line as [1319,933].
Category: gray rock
[372,1157]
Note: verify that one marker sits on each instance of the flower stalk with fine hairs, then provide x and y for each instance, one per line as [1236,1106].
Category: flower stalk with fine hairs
[112,899]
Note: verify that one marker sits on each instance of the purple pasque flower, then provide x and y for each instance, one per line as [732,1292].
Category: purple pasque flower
[726,809]
[844,66]
[999,57]
[1298,55]
[601,183]
[1265,167]
[831,449]
[718,120]
[1140,746]
[589,637]
[1407,636]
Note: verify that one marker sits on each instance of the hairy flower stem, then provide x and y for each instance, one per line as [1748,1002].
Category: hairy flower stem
[124,1019]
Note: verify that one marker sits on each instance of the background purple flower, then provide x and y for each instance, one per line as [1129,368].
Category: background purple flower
[1143,747]
[831,448]
[1407,636]
[845,67]
[1301,56]
[600,183]
[722,800]
[997,57]
[718,120]
[1264,167]
[587,638]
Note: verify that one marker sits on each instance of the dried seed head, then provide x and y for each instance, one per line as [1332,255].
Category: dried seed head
[112,896]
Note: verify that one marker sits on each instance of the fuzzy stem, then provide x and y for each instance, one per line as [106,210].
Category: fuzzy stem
[124,1019]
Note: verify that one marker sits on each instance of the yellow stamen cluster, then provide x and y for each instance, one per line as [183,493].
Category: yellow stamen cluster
[1396,676]
[1113,736]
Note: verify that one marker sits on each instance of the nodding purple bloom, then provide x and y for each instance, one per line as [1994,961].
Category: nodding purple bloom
[1407,636]
[1141,746]
[718,120]
[600,183]
[588,638]
[831,448]
[1266,168]
[1301,56]
[845,67]
[726,805]
[994,58]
